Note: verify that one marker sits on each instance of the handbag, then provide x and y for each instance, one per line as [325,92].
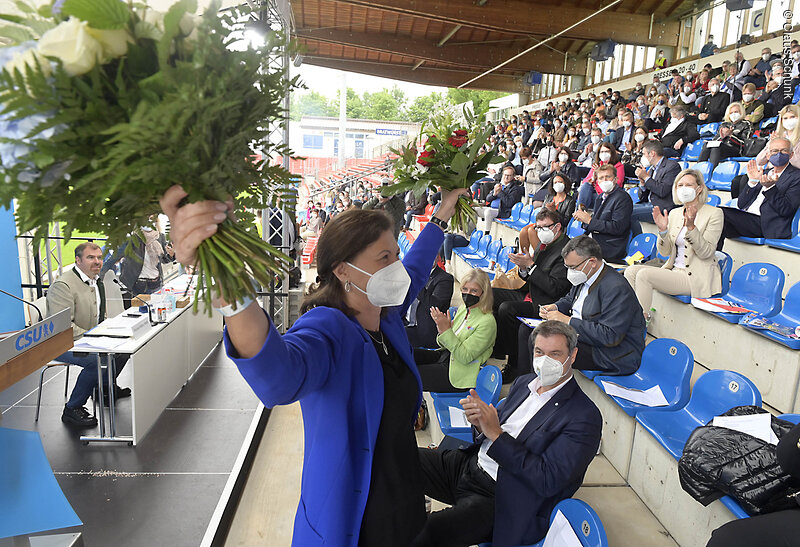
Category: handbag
[507,280]
[753,146]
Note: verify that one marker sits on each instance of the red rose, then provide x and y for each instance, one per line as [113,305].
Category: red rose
[460,133]
[425,158]
[458,142]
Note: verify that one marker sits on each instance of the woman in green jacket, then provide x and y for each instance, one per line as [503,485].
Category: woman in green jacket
[465,343]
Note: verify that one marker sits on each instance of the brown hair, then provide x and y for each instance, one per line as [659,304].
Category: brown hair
[349,233]
[91,245]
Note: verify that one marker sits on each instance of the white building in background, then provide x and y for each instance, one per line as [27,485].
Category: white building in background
[318,136]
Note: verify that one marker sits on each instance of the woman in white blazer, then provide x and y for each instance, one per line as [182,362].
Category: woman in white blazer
[688,235]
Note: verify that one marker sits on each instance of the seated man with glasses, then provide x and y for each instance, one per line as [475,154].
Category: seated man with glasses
[546,281]
[602,308]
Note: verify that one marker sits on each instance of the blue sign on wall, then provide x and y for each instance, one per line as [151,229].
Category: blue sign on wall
[395,132]
[12,316]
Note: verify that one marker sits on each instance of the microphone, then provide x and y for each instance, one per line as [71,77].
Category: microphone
[31,304]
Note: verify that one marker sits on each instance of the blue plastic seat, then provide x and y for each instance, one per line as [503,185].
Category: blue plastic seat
[582,518]
[734,507]
[713,200]
[715,392]
[590,374]
[725,268]
[794,418]
[515,212]
[503,259]
[666,363]
[768,121]
[723,175]
[491,255]
[525,217]
[644,243]
[792,244]
[684,164]
[692,151]
[788,316]
[33,503]
[480,252]
[708,129]
[634,194]
[705,169]
[756,286]
[472,246]
[488,385]
[574,228]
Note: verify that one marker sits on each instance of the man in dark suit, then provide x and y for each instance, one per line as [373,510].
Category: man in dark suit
[678,133]
[712,106]
[610,225]
[624,134]
[775,96]
[602,308]
[769,201]
[437,293]
[546,281]
[503,487]
[655,187]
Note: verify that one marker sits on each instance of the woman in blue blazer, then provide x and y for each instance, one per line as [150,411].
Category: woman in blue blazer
[349,363]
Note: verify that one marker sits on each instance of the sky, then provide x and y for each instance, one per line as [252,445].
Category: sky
[328,82]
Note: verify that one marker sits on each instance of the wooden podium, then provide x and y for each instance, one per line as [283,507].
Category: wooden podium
[28,350]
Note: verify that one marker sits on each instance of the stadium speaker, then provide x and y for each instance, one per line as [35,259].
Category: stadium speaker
[603,51]
[533,78]
[736,5]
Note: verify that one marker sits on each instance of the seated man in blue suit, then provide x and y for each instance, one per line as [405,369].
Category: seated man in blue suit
[769,201]
[610,225]
[503,487]
[655,186]
[604,310]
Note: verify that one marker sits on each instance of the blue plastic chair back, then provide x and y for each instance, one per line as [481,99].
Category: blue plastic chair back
[525,215]
[645,243]
[475,240]
[483,246]
[584,521]
[705,169]
[790,314]
[493,250]
[768,121]
[715,392]
[489,384]
[725,268]
[684,164]
[515,211]
[634,193]
[666,363]
[692,151]
[724,173]
[794,418]
[503,260]
[757,286]
[708,129]
[574,228]
[713,200]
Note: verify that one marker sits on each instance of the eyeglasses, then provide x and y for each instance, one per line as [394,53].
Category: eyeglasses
[540,228]
[578,265]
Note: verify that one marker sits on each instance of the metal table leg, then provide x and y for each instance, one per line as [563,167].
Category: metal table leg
[112,437]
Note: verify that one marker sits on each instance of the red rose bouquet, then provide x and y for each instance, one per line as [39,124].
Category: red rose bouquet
[450,158]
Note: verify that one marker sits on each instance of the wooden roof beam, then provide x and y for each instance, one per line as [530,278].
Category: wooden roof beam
[542,60]
[549,19]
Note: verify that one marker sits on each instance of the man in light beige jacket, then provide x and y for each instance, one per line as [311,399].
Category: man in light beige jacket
[81,291]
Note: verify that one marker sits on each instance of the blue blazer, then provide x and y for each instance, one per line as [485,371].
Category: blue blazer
[327,362]
[612,322]
[660,186]
[779,205]
[544,464]
[611,223]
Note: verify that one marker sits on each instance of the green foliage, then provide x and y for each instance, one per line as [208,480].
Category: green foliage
[480,99]
[312,104]
[171,111]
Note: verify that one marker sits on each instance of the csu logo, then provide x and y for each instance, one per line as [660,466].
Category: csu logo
[33,336]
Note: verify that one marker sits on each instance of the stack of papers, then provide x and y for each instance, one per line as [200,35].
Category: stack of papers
[458,418]
[121,326]
[650,397]
[561,533]
[718,305]
[757,425]
[93,343]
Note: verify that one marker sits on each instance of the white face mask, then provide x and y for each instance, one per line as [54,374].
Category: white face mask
[595,139]
[645,161]
[686,194]
[558,187]
[577,277]
[386,287]
[713,88]
[789,123]
[778,79]
[605,156]
[547,236]
[747,97]
[607,186]
[735,117]
[687,89]
[626,123]
[549,370]
[766,56]
[639,137]
[571,132]
[563,158]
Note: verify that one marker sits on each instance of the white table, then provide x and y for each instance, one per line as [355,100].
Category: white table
[162,358]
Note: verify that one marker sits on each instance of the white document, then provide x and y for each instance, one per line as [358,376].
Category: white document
[757,425]
[91,343]
[561,533]
[458,418]
[650,397]
[530,321]
[713,144]
[121,325]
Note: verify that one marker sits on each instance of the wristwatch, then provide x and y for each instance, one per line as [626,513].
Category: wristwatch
[439,222]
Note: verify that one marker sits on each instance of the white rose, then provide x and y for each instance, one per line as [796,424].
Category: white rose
[28,58]
[155,18]
[113,42]
[71,43]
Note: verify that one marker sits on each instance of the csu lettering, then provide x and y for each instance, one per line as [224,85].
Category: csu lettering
[33,336]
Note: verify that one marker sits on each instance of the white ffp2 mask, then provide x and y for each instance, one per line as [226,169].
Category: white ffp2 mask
[386,287]
[549,370]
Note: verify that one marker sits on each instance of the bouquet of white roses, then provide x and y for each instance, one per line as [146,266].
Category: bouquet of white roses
[104,105]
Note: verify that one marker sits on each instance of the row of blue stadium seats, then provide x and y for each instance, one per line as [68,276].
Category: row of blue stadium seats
[710,129]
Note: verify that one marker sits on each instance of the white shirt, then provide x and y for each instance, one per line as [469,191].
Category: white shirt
[673,123]
[755,207]
[680,249]
[92,282]
[577,306]
[517,421]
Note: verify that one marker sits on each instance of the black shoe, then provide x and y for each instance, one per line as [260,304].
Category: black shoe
[78,417]
[119,393]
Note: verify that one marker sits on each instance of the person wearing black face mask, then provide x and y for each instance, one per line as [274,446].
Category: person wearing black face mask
[769,201]
[465,342]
